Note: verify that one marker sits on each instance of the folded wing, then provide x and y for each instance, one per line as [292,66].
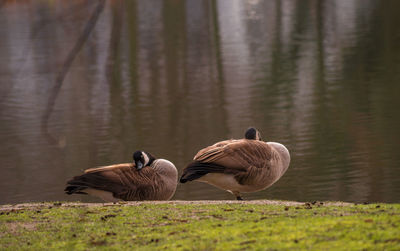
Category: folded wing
[236,157]
[122,180]
[237,153]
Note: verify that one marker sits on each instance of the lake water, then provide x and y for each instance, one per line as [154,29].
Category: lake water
[172,77]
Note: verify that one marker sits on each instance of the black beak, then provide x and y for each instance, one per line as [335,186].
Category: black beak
[139,165]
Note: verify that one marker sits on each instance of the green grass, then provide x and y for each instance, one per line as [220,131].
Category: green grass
[201,227]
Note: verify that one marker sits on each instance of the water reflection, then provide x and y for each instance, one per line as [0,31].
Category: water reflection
[172,77]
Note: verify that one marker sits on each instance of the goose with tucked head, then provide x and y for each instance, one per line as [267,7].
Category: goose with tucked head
[239,165]
[147,178]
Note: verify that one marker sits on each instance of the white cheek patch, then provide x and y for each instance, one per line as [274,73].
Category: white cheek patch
[146,159]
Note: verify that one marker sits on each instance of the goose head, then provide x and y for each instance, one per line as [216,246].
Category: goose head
[142,159]
[252,133]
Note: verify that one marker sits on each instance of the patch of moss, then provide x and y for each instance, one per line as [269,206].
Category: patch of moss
[201,226]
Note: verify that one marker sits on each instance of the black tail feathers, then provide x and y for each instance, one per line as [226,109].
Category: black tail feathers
[75,189]
[76,185]
[80,183]
[197,169]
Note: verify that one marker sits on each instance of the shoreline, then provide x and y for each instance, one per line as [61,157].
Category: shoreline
[36,205]
[177,202]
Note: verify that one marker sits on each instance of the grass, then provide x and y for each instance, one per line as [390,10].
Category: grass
[200,226]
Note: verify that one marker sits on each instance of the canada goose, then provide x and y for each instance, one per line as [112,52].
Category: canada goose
[145,179]
[239,166]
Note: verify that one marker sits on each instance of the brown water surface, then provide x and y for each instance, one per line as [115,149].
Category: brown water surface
[171,77]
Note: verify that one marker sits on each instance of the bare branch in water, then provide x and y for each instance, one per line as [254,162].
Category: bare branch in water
[73,10]
[67,12]
[64,70]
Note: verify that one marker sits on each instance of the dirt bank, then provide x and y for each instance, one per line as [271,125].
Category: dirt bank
[177,202]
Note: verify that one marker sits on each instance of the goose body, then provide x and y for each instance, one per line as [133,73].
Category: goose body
[239,166]
[145,179]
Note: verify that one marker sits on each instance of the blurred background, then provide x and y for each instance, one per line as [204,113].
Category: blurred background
[86,83]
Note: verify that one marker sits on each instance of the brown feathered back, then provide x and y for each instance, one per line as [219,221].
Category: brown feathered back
[237,154]
[125,182]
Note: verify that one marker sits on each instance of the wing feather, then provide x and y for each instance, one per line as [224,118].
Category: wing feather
[244,152]
[122,180]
